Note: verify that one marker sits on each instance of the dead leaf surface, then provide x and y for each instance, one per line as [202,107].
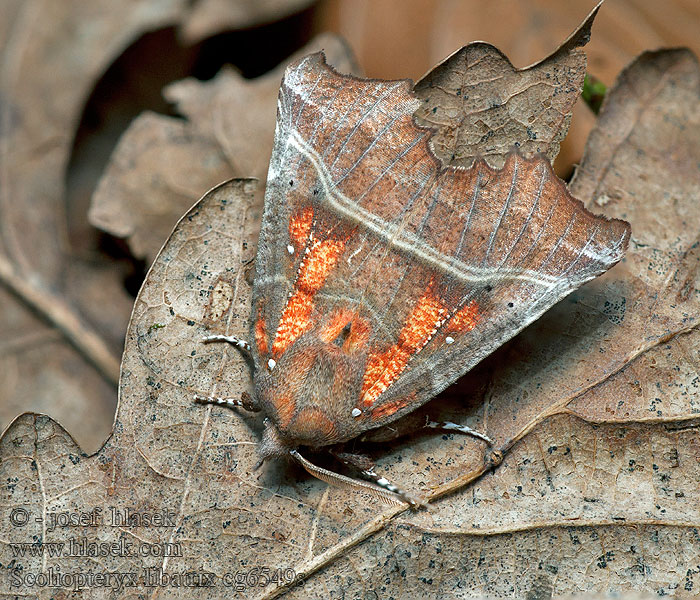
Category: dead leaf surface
[482,106]
[63,313]
[595,407]
[162,165]
[209,17]
[422,32]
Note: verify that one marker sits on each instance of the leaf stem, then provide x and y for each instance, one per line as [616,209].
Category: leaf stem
[59,314]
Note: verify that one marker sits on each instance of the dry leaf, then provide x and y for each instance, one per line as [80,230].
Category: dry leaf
[480,105]
[592,495]
[400,38]
[63,312]
[162,165]
[209,17]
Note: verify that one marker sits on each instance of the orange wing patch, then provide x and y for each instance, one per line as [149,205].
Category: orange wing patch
[427,316]
[261,336]
[384,367]
[336,324]
[321,260]
[465,318]
[300,226]
[296,319]
[359,335]
[384,410]
[317,265]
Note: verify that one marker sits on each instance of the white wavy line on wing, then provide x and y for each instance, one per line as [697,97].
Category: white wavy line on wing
[408,242]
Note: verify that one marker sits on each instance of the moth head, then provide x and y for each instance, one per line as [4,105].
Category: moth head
[271,445]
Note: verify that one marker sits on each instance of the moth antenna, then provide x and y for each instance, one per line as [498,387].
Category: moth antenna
[338,480]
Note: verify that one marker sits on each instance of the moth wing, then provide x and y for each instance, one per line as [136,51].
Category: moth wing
[445,264]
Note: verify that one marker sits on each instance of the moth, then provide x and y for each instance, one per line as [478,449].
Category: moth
[382,276]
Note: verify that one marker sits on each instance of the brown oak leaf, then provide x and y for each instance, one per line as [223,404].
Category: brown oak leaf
[594,407]
[162,164]
[482,106]
[63,309]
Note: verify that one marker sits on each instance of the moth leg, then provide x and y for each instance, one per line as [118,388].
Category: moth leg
[246,401]
[388,494]
[449,426]
[494,456]
[237,342]
[361,462]
[366,465]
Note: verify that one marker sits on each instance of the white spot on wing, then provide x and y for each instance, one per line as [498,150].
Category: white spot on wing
[356,412]
[290,249]
[449,340]
[271,364]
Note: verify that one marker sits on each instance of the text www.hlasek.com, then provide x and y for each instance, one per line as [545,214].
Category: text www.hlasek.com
[76,547]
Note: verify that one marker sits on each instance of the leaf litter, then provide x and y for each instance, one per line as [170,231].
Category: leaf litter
[595,405]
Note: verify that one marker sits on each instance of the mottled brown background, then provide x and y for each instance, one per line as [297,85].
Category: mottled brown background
[391,39]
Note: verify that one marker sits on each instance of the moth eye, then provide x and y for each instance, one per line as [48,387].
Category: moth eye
[343,335]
